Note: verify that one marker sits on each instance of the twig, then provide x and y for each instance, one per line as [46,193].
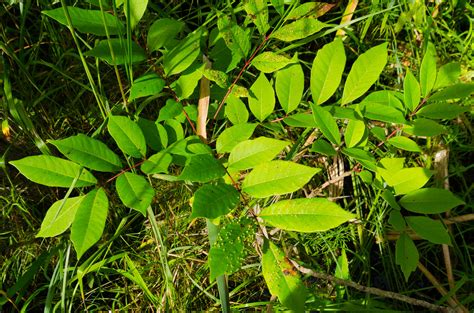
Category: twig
[318,191]
[203,104]
[372,290]
[246,65]
[455,305]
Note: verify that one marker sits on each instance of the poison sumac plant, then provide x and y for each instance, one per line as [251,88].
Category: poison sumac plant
[245,171]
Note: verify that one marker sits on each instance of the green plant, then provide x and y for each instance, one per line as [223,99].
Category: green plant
[245,176]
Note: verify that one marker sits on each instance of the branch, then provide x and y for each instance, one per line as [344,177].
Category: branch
[372,290]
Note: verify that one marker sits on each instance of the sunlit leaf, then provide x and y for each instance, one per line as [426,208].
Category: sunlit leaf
[269,62]
[404,143]
[128,135]
[162,32]
[235,110]
[289,85]
[89,152]
[364,72]
[262,98]
[59,217]
[231,136]
[54,172]
[277,178]
[250,153]
[257,10]
[134,191]
[282,278]
[183,54]
[327,69]
[299,29]
[428,70]
[305,215]
[89,221]
[326,124]
[411,91]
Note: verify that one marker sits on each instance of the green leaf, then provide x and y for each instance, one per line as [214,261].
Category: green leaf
[448,74]
[424,127]
[134,192]
[363,157]
[404,143]
[282,278]
[386,98]
[326,124]
[59,217]
[289,85]
[279,6]
[408,179]
[236,111]
[137,9]
[227,253]
[128,135]
[157,163]
[89,152]
[155,134]
[411,91]
[250,153]
[457,91]
[430,201]
[327,69]
[188,80]
[323,147]
[170,110]
[257,10]
[119,47]
[300,120]
[312,9]
[429,229]
[146,85]
[305,215]
[364,72]
[262,99]
[269,62]
[53,172]
[183,54]
[299,29]
[219,77]
[230,137]
[202,168]
[162,32]
[236,38]
[389,197]
[397,221]
[212,201]
[89,221]
[277,178]
[442,110]
[406,255]
[355,132]
[88,21]
[381,112]
[428,71]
